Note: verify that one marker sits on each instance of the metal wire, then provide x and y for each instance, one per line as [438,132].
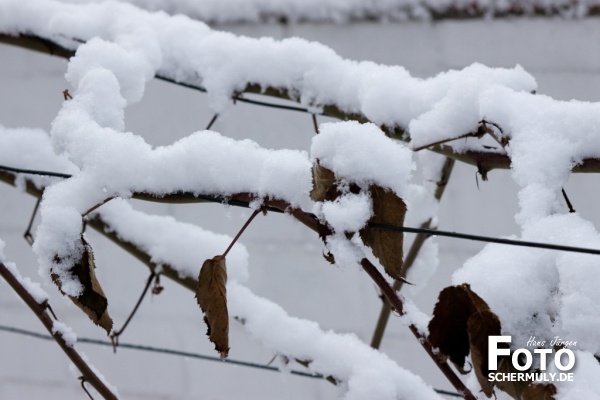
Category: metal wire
[432,232]
[179,353]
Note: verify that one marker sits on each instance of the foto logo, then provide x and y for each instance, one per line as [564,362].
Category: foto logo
[563,359]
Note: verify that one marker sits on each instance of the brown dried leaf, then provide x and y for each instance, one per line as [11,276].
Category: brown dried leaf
[212,298]
[323,184]
[539,392]
[480,326]
[388,209]
[462,322]
[448,327]
[92,300]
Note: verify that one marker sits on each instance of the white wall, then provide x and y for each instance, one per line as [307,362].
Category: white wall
[285,260]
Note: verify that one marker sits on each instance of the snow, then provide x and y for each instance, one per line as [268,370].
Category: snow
[348,213]
[65,331]
[363,154]
[366,373]
[536,292]
[413,316]
[586,373]
[182,246]
[219,61]
[17,150]
[451,101]
[547,139]
[542,293]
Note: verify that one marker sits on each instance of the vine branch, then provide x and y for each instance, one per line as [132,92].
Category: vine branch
[40,311]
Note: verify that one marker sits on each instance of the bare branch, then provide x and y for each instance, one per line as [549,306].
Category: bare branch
[395,301]
[40,311]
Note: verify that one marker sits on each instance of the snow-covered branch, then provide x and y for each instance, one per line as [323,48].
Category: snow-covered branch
[37,300]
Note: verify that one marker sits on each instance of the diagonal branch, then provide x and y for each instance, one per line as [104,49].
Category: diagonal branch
[39,310]
[395,302]
[412,255]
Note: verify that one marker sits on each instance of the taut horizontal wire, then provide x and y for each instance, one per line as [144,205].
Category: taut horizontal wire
[432,232]
[33,172]
[160,350]
[510,242]
[239,98]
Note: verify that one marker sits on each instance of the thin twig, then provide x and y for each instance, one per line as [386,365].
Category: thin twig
[27,235]
[571,209]
[443,141]
[82,379]
[315,125]
[212,121]
[94,208]
[40,312]
[114,336]
[50,310]
[242,229]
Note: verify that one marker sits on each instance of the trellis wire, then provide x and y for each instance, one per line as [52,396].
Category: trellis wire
[160,350]
[428,231]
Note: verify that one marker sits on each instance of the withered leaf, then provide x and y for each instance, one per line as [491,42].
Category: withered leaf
[539,392]
[323,184]
[211,295]
[480,326]
[388,209]
[92,300]
[448,329]
[462,322]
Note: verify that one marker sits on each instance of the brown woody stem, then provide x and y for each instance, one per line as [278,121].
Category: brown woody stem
[396,303]
[40,311]
[241,231]
[412,255]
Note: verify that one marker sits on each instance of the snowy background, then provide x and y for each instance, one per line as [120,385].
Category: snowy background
[285,262]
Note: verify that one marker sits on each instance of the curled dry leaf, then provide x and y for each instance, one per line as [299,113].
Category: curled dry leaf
[480,326]
[92,299]
[448,327]
[323,184]
[462,323]
[388,209]
[211,295]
